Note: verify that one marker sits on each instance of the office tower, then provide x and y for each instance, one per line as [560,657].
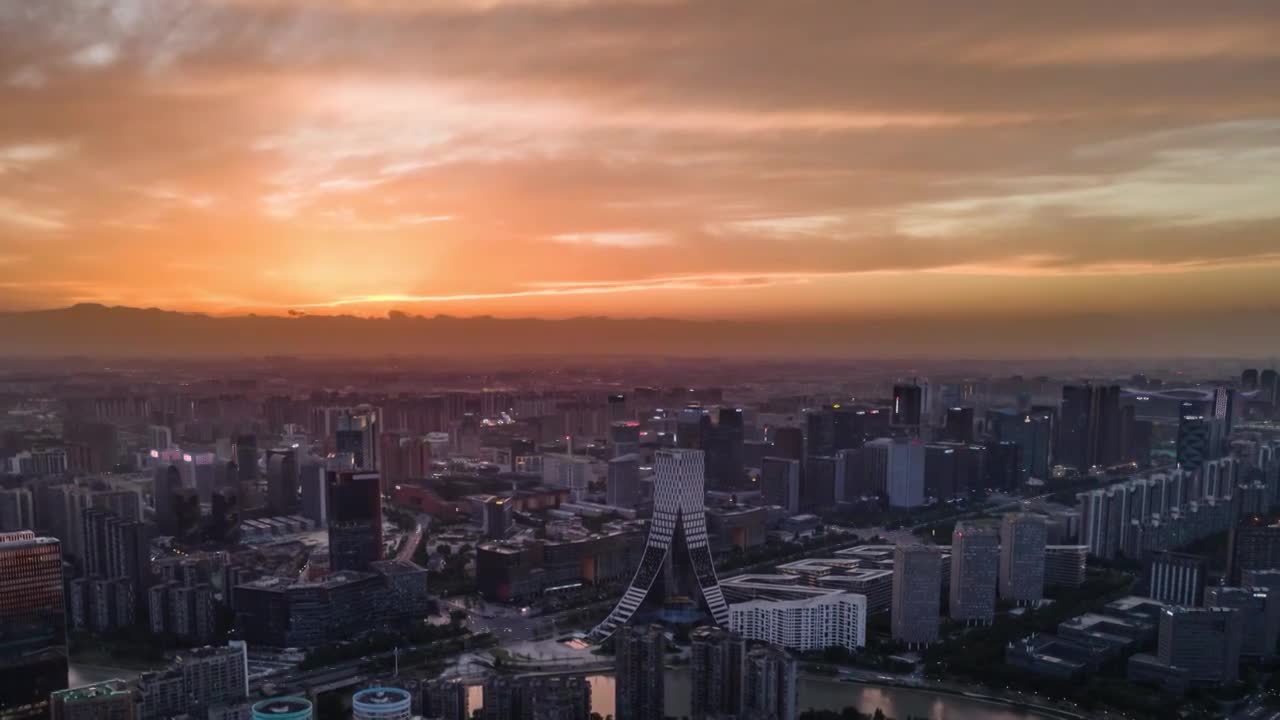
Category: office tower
[975,572]
[167,481]
[723,444]
[1032,432]
[780,483]
[896,465]
[908,405]
[639,690]
[771,691]
[1176,578]
[1022,540]
[1267,386]
[958,426]
[247,467]
[718,673]
[788,442]
[447,700]
[1002,466]
[1249,379]
[1205,642]
[917,589]
[33,654]
[95,444]
[381,703]
[622,487]
[495,516]
[1259,609]
[624,439]
[17,512]
[355,519]
[1194,433]
[108,700]
[282,708]
[676,560]
[1224,407]
[940,471]
[315,494]
[197,680]
[1089,432]
[1252,547]
[850,475]
[224,515]
[692,424]
[1135,437]
[159,437]
[282,480]
[818,484]
[356,433]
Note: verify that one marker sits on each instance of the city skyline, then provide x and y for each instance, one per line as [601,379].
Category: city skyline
[814,162]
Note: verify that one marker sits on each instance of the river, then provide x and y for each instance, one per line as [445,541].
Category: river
[820,694]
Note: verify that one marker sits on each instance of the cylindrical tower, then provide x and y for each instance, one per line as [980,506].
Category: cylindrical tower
[283,708]
[381,703]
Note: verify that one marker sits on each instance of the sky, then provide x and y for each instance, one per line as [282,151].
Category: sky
[630,158]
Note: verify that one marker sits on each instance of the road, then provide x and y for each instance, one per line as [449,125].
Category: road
[411,543]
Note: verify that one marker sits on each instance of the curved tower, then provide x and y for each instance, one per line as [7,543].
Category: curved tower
[677,561]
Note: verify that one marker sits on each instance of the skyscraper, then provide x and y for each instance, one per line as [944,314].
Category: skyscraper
[315,493]
[1249,379]
[639,690]
[1022,540]
[975,572]
[958,426]
[1193,442]
[33,634]
[355,519]
[1205,642]
[676,560]
[908,405]
[282,480]
[247,467]
[167,481]
[788,442]
[356,433]
[17,512]
[897,466]
[917,590]
[723,443]
[717,672]
[1089,432]
[780,483]
[622,486]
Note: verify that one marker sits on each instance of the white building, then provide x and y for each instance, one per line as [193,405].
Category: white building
[896,465]
[835,618]
[567,471]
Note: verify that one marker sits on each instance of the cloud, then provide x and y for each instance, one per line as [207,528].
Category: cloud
[614,239]
[95,56]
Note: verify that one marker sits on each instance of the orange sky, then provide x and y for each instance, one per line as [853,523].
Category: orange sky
[724,158]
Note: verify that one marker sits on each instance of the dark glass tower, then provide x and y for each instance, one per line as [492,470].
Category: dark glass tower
[355,519]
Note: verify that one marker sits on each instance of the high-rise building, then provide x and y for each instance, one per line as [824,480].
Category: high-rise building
[496,516]
[1089,432]
[314,481]
[788,442]
[33,651]
[1176,578]
[1032,432]
[282,708]
[1205,642]
[567,471]
[897,466]
[780,483]
[908,405]
[718,673]
[1193,442]
[282,480]
[355,519]
[1023,537]
[247,468]
[356,433]
[771,691]
[622,487]
[17,512]
[723,444]
[917,589]
[167,481]
[958,425]
[108,700]
[639,690]
[677,559]
[940,470]
[1249,379]
[1268,385]
[1252,547]
[818,487]
[1259,608]
[1064,565]
[693,424]
[975,571]
[381,703]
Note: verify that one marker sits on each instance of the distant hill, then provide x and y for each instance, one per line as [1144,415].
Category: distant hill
[98,330]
